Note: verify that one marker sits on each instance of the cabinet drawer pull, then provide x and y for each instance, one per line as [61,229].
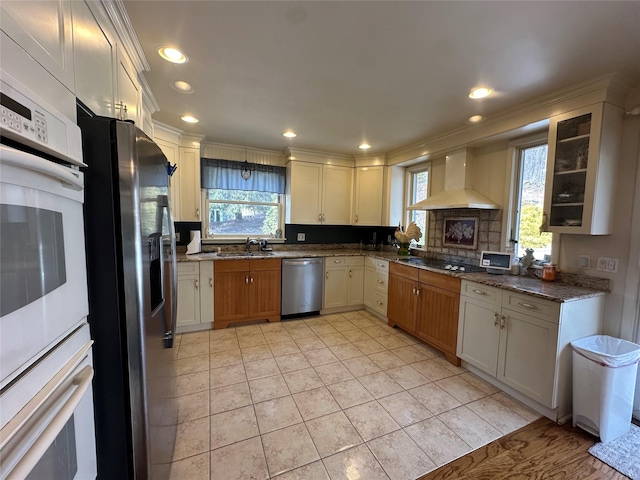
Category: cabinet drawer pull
[503,320]
[380,281]
[326,275]
[479,292]
[495,323]
[413,290]
[381,264]
[528,305]
[319,217]
[197,283]
[349,273]
[251,278]
[246,280]
[323,217]
[337,261]
[210,282]
[417,292]
[379,302]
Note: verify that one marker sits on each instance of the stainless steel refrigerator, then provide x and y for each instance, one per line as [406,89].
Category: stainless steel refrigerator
[131,274]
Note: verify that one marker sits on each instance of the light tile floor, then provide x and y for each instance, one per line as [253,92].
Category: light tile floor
[337,396]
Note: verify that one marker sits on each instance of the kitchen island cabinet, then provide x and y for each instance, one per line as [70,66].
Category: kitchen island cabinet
[426,305]
[247,290]
[524,342]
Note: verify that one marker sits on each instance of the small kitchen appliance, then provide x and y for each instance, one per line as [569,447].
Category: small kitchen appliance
[496,262]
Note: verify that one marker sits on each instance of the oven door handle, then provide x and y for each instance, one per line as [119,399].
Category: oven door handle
[20,159]
[81,381]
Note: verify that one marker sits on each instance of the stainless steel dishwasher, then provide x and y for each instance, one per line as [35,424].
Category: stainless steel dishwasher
[301,286]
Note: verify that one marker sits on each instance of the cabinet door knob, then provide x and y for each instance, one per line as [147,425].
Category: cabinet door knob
[197,284]
[251,279]
[496,316]
[413,290]
[349,273]
[210,282]
[246,280]
[356,218]
[198,212]
[326,275]
[319,217]
[503,320]
[417,292]
[379,302]
[323,217]
[380,281]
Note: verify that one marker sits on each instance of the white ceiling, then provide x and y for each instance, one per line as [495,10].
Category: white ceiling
[389,73]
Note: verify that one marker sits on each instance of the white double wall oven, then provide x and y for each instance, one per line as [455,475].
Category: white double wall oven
[46,368]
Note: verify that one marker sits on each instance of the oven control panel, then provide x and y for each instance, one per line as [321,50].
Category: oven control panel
[17,117]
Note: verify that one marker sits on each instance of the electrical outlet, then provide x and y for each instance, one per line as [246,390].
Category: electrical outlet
[177,236]
[608,264]
[388,238]
[302,237]
[584,261]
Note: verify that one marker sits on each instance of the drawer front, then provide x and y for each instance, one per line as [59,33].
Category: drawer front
[533,306]
[441,281]
[188,268]
[378,264]
[265,264]
[231,266]
[355,261]
[404,271]
[382,282]
[336,261]
[481,292]
[380,303]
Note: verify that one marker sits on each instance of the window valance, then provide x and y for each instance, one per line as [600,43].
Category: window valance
[225,174]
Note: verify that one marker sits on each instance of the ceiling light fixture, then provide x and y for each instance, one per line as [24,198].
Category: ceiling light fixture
[475,119]
[245,173]
[172,55]
[364,146]
[480,92]
[290,134]
[189,119]
[182,87]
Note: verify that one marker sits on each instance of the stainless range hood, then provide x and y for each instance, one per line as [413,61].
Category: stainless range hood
[457,191]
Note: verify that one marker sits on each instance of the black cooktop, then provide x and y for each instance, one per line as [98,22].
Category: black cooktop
[444,265]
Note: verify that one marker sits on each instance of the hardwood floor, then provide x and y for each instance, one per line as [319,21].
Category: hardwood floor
[539,450]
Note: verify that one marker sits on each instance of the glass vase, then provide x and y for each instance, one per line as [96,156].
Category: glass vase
[404,250]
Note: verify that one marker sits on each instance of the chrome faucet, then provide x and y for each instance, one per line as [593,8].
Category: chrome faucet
[250,242]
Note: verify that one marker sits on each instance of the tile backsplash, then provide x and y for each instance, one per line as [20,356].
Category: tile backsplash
[489,232]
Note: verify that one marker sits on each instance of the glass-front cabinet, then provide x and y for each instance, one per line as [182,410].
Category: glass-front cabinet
[581,170]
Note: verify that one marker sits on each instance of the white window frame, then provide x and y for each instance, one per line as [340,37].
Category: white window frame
[410,172]
[235,238]
[513,190]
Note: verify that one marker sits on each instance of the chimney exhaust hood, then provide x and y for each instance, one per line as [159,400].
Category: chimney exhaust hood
[457,191]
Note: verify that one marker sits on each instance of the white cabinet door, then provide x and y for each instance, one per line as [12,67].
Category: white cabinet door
[479,334]
[369,286]
[206,291]
[189,179]
[367,208]
[306,192]
[44,30]
[336,287]
[128,94]
[171,151]
[188,300]
[94,56]
[527,359]
[336,194]
[356,285]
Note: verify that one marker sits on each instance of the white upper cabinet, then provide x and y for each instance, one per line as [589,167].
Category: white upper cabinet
[94,55]
[128,104]
[367,196]
[44,30]
[319,194]
[581,170]
[189,166]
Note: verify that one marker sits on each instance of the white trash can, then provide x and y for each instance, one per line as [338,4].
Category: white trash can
[604,379]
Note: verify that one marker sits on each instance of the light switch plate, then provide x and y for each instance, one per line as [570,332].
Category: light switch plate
[302,237]
[608,264]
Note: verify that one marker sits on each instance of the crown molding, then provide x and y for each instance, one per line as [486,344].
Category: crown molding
[191,140]
[314,156]
[148,98]
[118,15]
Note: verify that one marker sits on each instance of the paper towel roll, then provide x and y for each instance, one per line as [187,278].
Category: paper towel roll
[194,244]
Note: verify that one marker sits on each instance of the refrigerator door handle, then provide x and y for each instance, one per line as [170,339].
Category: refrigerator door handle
[167,340]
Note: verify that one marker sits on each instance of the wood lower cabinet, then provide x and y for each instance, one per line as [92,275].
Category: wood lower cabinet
[246,290]
[425,304]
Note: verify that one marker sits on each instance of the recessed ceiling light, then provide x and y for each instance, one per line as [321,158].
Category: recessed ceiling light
[189,119]
[172,55]
[289,134]
[182,87]
[364,146]
[480,92]
[475,119]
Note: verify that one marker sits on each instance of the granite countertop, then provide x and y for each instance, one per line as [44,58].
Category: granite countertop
[552,291]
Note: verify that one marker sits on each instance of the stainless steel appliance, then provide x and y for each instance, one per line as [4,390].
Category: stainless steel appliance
[132,298]
[46,401]
[301,286]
